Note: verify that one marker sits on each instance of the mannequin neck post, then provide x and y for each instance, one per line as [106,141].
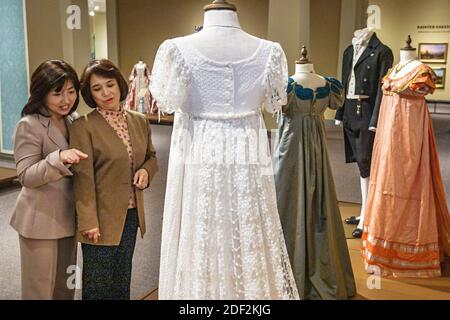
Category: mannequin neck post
[221,18]
[406,55]
[304,68]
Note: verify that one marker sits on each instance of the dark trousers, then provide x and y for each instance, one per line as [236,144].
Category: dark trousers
[107,269]
[358,139]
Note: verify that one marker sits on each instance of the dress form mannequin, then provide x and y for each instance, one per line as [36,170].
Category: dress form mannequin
[215,82]
[408,60]
[305,74]
[364,182]
[141,86]
[139,97]
[222,38]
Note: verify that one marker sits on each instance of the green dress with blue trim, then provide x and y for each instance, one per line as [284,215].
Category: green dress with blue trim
[306,195]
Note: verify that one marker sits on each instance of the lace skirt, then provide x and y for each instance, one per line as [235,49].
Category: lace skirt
[222,238]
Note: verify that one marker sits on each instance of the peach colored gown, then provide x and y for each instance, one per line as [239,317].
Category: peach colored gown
[407,224]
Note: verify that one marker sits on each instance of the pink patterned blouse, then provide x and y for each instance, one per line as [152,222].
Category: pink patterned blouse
[118,121]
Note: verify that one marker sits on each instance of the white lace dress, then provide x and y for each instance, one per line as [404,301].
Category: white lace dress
[222,237]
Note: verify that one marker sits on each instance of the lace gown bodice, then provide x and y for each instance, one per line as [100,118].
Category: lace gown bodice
[198,85]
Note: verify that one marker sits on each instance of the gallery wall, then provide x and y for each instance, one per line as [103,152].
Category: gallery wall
[400,18]
[100,30]
[13,69]
[144,24]
[136,28]
[49,37]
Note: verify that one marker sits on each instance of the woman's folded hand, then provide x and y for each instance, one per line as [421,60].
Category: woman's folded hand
[141,179]
[93,234]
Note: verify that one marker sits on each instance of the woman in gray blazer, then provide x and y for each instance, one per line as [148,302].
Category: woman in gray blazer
[44,215]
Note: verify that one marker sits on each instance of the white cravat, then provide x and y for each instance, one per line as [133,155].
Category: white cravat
[360,43]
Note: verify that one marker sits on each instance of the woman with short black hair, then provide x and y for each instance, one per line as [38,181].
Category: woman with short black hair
[44,215]
[109,185]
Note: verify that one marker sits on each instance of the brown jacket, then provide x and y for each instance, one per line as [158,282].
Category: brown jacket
[102,182]
[44,208]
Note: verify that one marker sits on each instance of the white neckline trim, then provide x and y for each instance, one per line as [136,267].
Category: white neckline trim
[224,63]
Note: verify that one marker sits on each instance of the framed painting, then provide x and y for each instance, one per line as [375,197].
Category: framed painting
[440,77]
[433,52]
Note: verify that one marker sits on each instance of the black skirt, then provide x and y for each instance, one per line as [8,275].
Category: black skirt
[107,269]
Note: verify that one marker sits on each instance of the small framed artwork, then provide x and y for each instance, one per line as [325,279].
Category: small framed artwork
[440,77]
[433,52]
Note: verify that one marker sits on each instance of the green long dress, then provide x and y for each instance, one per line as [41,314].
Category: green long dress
[306,195]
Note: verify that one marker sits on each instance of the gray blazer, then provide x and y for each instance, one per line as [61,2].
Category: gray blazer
[44,208]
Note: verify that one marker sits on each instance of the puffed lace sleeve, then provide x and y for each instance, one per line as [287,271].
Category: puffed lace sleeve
[337,97]
[170,78]
[424,82]
[276,80]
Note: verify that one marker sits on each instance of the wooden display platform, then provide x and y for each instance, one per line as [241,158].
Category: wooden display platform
[165,120]
[7,175]
[390,288]
[153,295]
